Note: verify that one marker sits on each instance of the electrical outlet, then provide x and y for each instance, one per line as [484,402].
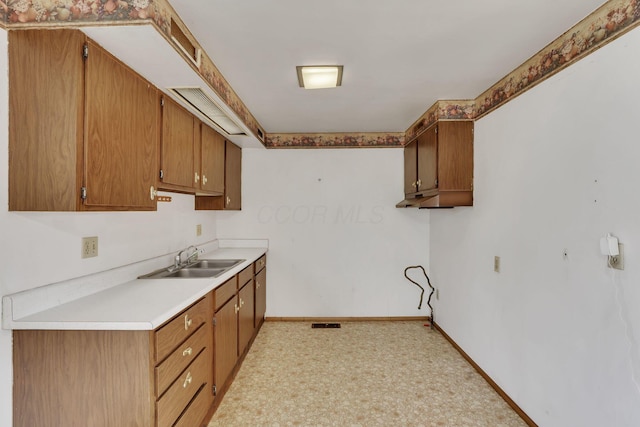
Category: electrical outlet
[89,247]
[617,261]
[199,230]
[496,264]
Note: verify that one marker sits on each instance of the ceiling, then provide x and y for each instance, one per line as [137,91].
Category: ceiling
[399,56]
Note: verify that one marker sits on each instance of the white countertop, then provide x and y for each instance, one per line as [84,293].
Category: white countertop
[140,304]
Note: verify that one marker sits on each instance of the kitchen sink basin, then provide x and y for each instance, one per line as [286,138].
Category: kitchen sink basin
[199,269]
[215,263]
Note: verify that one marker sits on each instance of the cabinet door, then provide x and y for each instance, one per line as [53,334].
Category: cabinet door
[177,155]
[212,160]
[410,167]
[261,296]
[245,316]
[455,156]
[428,160]
[121,135]
[225,337]
[233,175]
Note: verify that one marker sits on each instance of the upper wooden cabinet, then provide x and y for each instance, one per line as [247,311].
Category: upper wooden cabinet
[83,127]
[232,197]
[191,154]
[439,167]
[178,150]
[211,161]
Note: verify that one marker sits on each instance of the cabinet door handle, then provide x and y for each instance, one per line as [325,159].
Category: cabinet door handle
[241,302]
[418,183]
[228,200]
[152,192]
[196,177]
[236,308]
[187,322]
[187,380]
[257,285]
[187,351]
[204,179]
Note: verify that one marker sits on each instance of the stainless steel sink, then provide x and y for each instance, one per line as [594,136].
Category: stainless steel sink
[215,263]
[199,269]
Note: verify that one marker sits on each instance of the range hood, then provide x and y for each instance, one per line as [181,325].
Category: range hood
[438,200]
[198,99]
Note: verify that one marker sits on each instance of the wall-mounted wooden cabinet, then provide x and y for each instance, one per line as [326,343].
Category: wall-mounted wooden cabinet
[232,197]
[438,167]
[191,153]
[83,127]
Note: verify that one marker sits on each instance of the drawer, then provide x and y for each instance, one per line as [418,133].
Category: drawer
[244,276]
[224,292]
[172,334]
[197,410]
[260,264]
[178,396]
[168,371]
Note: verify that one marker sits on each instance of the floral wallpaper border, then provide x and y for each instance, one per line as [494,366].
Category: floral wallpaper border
[334,140]
[606,23]
[611,20]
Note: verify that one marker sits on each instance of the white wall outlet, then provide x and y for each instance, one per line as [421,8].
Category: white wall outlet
[199,230]
[89,247]
[617,261]
[496,264]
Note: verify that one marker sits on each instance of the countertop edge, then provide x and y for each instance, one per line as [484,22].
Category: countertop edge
[46,319]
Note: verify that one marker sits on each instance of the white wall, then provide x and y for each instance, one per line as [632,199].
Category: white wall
[555,169]
[337,244]
[40,248]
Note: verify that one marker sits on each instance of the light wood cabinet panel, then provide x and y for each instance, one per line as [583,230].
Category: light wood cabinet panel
[121,134]
[83,134]
[232,198]
[246,316]
[212,161]
[177,162]
[410,167]
[82,378]
[225,342]
[261,297]
[428,160]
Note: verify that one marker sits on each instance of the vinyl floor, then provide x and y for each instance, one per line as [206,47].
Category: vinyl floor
[396,373]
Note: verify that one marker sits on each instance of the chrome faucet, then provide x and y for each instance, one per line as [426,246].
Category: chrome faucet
[178,259]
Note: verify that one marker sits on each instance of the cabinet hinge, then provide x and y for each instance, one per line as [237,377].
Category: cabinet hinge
[85,51]
[436,130]
[214,321]
[83,193]
[215,390]
[162,102]
[161,174]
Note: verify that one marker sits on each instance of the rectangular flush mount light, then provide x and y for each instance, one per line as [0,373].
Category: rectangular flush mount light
[319,76]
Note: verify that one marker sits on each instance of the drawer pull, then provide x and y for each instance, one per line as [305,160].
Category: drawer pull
[187,380]
[187,322]
[187,351]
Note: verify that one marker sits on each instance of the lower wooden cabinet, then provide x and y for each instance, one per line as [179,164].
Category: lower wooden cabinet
[116,378]
[172,376]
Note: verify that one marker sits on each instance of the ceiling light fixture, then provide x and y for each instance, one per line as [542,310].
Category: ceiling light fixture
[319,76]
